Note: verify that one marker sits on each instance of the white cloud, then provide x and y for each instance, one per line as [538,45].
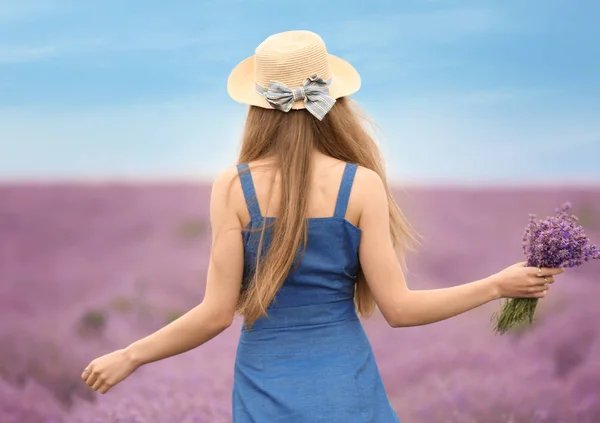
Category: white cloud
[483,97]
[97,28]
[21,54]
[13,10]
[423,143]
[185,139]
[404,43]
[444,144]
[433,26]
[199,44]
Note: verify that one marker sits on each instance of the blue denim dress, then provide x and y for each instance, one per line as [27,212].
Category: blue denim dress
[309,361]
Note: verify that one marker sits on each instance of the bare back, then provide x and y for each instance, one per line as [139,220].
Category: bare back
[324,187]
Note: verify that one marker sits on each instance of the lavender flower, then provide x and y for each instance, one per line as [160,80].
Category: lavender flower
[557,241]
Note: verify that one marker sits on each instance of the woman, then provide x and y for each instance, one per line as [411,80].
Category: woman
[306,237]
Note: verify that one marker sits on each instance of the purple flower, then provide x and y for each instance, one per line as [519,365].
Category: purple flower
[557,241]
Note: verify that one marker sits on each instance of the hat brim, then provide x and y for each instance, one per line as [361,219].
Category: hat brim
[242,88]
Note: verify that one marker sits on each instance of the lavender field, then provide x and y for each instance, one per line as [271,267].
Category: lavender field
[85,269]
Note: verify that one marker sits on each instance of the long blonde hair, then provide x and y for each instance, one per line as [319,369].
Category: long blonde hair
[289,139]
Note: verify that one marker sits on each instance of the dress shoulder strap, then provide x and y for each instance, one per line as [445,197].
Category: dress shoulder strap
[345,188]
[249,191]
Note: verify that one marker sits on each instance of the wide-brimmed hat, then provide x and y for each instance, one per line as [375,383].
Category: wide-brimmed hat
[293,70]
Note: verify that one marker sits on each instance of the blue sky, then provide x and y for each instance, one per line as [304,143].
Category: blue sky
[462,91]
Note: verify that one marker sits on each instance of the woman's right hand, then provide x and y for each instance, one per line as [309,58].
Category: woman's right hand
[519,281]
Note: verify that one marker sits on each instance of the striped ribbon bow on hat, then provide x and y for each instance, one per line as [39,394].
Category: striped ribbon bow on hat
[314,92]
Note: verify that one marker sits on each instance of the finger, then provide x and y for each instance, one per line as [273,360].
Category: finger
[543,281]
[98,384]
[541,294]
[92,379]
[536,289]
[86,372]
[545,271]
[104,388]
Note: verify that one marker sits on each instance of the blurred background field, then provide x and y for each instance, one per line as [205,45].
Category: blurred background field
[86,269]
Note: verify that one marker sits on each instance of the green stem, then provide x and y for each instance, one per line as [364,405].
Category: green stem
[514,312]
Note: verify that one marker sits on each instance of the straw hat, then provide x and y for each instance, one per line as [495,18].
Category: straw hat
[293,64]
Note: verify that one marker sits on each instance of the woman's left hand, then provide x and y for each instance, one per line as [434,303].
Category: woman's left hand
[105,372]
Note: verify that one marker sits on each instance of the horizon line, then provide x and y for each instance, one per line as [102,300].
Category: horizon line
[203,180]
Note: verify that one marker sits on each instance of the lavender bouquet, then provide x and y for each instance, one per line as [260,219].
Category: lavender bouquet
[557,241]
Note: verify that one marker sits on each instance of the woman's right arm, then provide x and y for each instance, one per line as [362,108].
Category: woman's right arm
[404,307]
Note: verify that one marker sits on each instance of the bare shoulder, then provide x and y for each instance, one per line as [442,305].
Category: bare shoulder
[226,195]
[225,178]
[369,197]
[368,184]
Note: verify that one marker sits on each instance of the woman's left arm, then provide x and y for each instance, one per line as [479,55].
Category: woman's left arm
[216,311]
[211,317]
